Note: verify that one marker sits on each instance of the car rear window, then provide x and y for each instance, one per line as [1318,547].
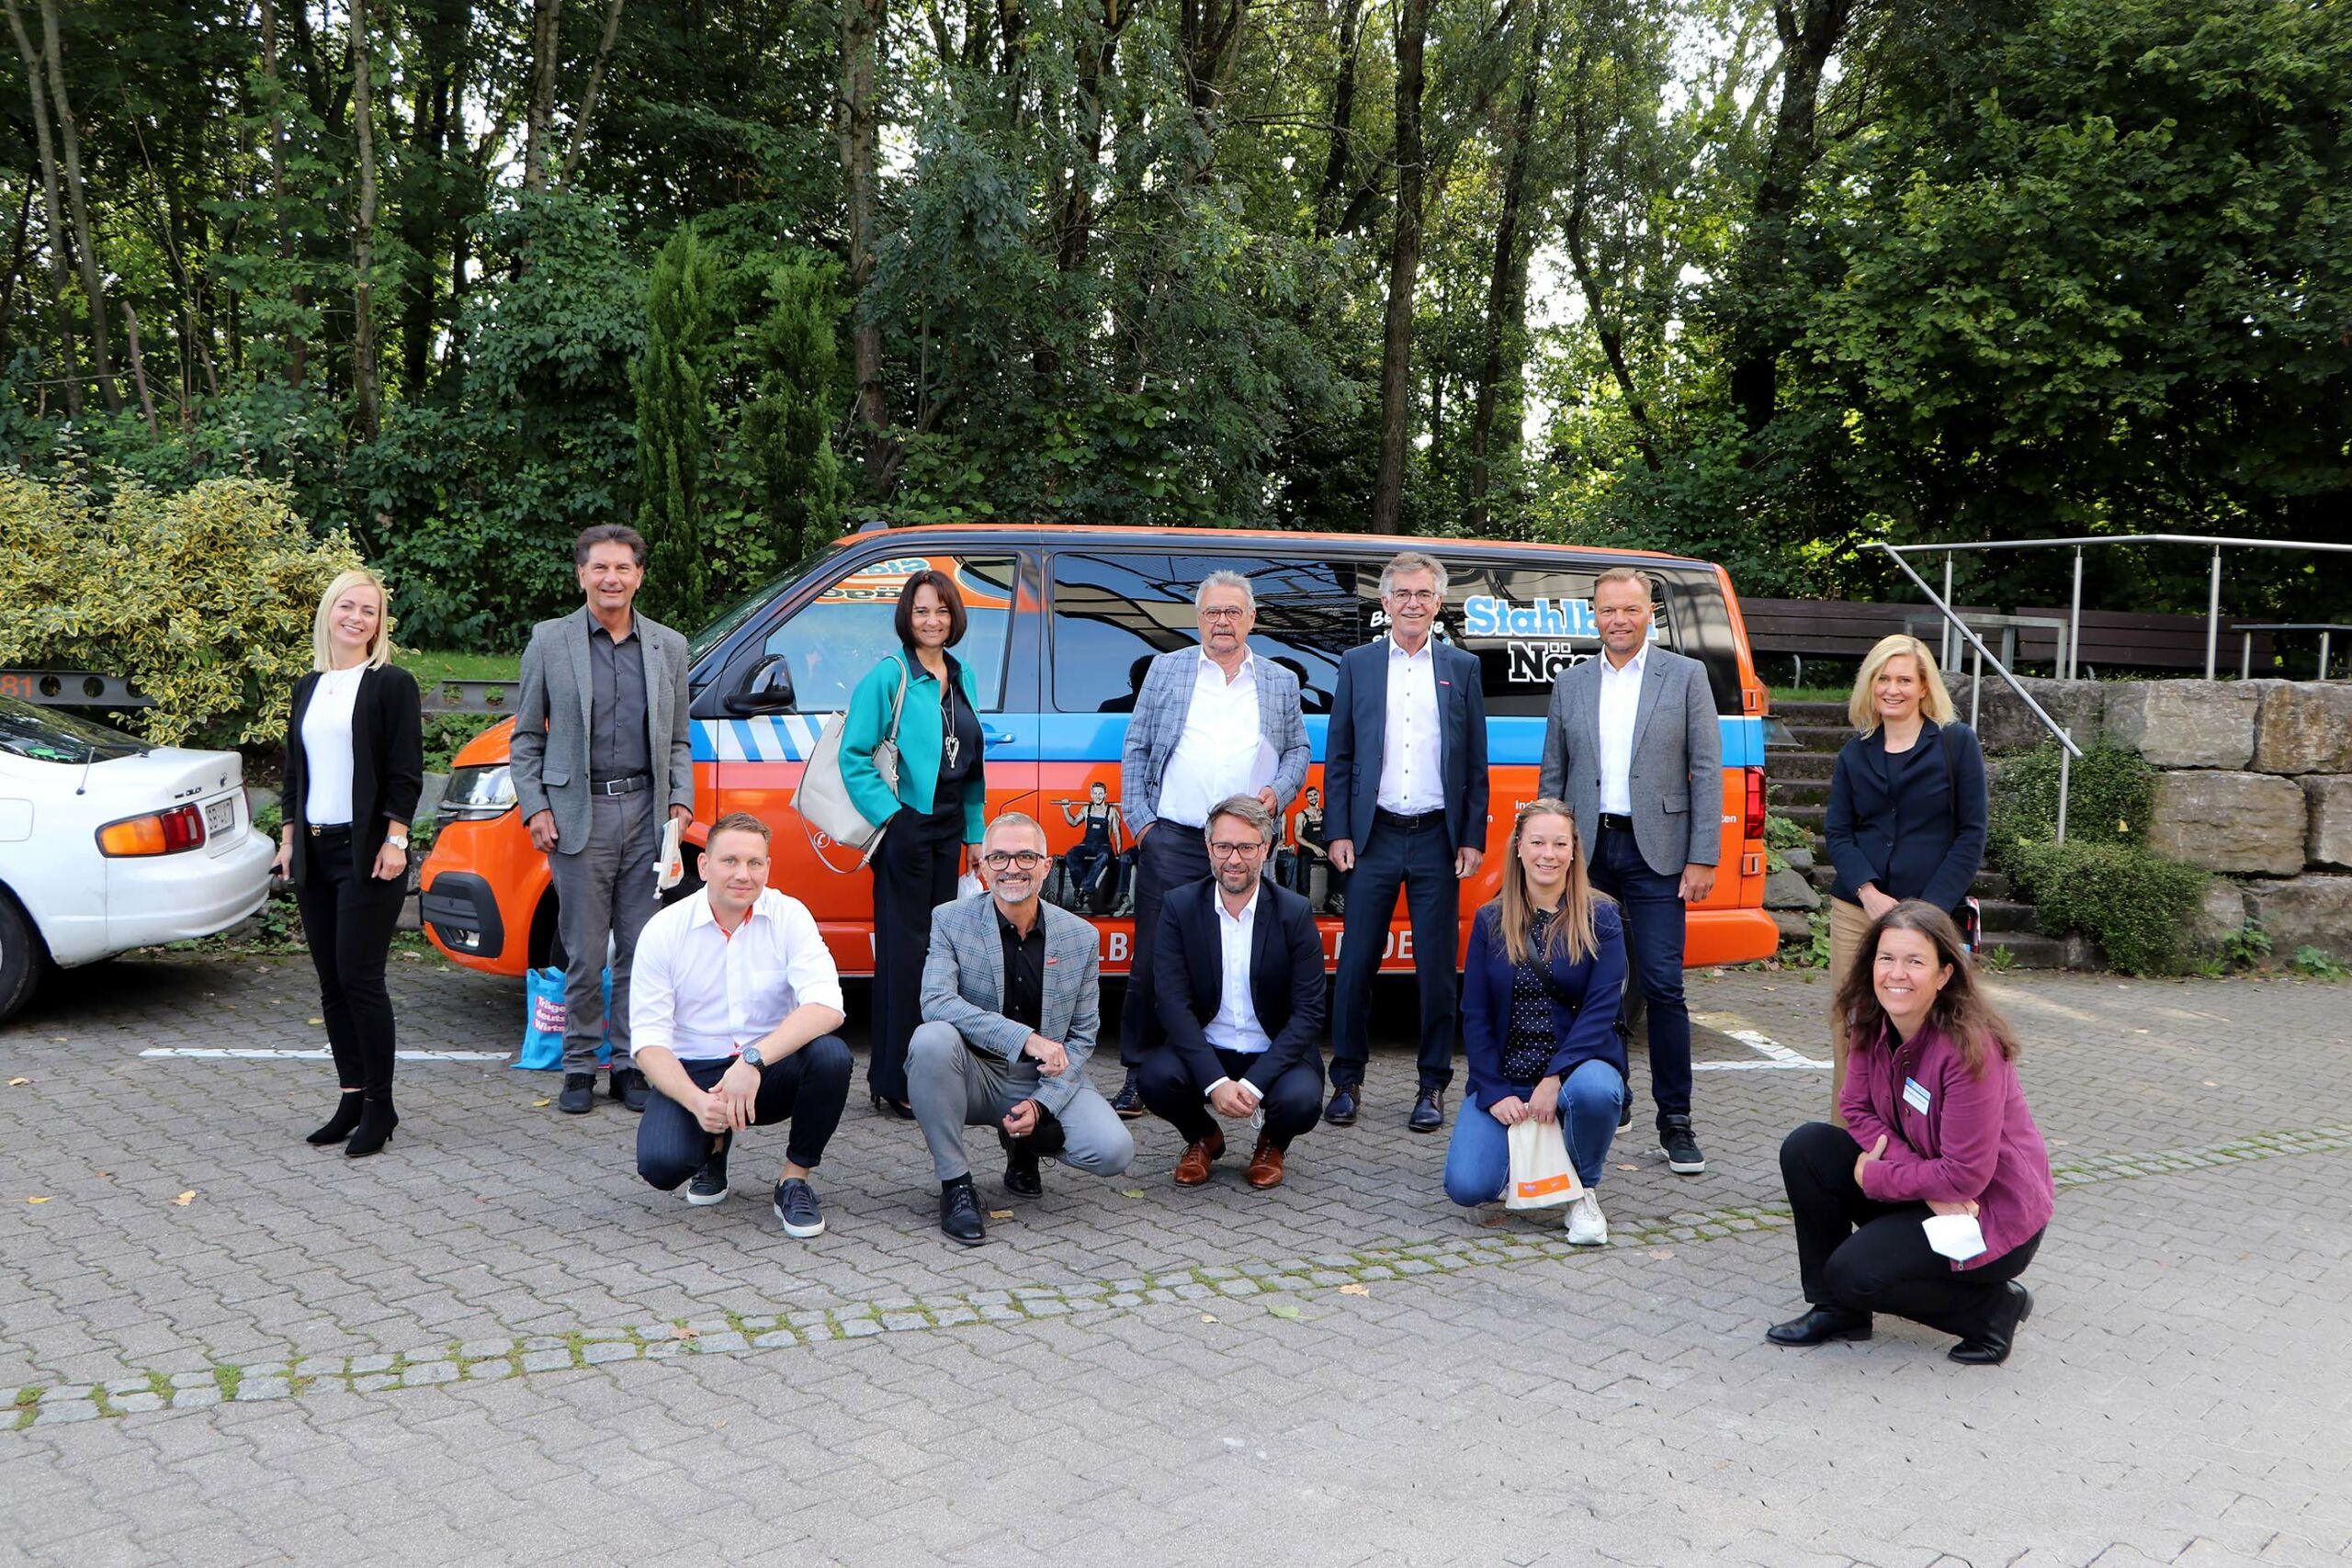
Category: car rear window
[47,735]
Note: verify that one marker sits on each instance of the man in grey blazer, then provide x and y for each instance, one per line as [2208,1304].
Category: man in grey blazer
[1010,1005]
[601,761]
[1209,723]
[1632,745]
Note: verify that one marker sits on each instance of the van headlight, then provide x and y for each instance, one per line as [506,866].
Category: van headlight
[476,795]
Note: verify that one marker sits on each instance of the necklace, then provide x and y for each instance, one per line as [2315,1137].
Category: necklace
[951,746]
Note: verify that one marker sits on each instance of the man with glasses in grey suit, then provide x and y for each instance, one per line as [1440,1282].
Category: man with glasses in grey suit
[601,763]
[1010,1006]
[1210,722]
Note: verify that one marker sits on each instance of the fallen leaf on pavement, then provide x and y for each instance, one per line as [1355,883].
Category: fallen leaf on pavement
[1355,1289]
[314,1021]
[999,1214]
[1130,1192]
[681,1331]
[1283,1309]
[1491,1221]
[542,1102]
[36,1200]
[1661,1252]
[185,1198]
[1623,1166]
[18,1083]
[1208,1317]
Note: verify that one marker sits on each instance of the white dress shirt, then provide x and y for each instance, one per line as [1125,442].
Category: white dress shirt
[326,746]
[1621,705]
[701,993]
[1235,1026]
[1411,781]
[1217,755]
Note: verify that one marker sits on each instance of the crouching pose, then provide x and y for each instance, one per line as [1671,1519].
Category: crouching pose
[733,1017]
[1239,973]
[1010,1006]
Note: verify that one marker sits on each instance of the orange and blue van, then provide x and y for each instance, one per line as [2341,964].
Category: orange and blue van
[1062,623]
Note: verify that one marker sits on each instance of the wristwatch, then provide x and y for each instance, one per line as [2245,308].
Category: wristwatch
[396,841]
[751,1058]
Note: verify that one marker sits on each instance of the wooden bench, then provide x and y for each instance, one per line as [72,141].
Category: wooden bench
[2124,639]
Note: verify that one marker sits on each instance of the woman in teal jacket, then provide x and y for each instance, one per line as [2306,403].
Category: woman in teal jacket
[939,807]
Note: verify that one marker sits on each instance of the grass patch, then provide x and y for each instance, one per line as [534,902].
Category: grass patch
[1810,694]
[429,665]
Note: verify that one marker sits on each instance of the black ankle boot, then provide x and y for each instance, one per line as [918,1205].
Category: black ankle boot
[377,1119]
[339,1125]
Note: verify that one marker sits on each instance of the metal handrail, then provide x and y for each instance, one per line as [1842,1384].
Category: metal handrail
[2073,644]
[2068,751]
[2246,653]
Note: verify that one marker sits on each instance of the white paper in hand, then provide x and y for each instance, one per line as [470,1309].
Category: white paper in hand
[670,865]
[1956,1236]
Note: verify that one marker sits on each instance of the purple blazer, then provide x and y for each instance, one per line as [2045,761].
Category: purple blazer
[1975,1139]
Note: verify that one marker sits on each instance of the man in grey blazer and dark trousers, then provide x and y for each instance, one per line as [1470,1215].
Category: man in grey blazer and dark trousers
[1405,780]
[1010,1006]
[1209,723]
[601,763]
[1634,747]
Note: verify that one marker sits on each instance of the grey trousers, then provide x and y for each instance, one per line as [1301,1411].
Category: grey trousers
[954,1087]
[605,890]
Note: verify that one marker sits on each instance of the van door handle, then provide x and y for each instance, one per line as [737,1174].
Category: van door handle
[998,736]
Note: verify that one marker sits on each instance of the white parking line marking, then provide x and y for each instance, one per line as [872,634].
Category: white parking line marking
[1777,1057]
[238,1053]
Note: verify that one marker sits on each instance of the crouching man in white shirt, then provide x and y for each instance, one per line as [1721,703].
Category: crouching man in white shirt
[732,1018]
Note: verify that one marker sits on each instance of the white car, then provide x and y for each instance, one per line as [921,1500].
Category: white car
[108,843]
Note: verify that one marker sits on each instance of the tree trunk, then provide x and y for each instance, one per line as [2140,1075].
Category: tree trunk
[1404,270]
[16,268]
[1505,288]
[538,120]
[77,205]
[861,22]
[60,280]
[1094,70]
[363,231]
[588,96]
[138,371]
[1331,198]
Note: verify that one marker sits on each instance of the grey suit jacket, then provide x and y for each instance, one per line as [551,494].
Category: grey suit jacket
[549,754]
[963,985]
[1158,724]
[1677,779]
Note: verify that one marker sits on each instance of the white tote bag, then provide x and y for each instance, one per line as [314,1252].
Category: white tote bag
[822,800]
[1541,1175]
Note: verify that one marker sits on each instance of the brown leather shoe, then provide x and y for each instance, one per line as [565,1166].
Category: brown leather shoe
[1193,1168]
[1265,1165]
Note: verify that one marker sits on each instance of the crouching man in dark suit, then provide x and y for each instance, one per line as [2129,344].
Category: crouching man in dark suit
[1237,979]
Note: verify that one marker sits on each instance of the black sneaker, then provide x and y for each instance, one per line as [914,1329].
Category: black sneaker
[633,1091]
[1681,1148]
[579,1096]
[959,1213]
[796,1209]
[1128,1101]
[709,1185]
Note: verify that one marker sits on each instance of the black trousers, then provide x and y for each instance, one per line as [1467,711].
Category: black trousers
[914,872]
[808,1088]
[348,920]
[1171,854]
[1292,1101]
[1415,855]
[1864,1256]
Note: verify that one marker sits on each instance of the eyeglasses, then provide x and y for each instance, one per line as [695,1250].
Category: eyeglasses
[1027,860]
[1224,850]
[1414,596]
[1224,612]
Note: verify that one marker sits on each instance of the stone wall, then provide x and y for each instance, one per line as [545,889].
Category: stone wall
[2254,784]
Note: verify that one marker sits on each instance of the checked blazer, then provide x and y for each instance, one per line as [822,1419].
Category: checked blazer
[963,985]
[1158,724]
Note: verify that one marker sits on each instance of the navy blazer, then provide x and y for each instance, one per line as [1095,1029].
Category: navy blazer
[1286,980]
[1892,819]
[1585,995]
[1359,733]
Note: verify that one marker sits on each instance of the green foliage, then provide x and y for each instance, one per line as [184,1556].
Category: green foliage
[673,380]
[1782,833]
[2133,904]
[2316,963]
[1999,960]
[204,599]
[2106,800]
[2248,947]
[784,424]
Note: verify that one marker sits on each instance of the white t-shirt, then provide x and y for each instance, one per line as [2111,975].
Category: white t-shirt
[326,746]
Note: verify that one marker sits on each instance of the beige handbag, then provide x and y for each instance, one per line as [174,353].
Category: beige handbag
[1540,1175]
[823,800]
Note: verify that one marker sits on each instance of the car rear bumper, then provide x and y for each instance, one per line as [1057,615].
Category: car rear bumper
[160,898]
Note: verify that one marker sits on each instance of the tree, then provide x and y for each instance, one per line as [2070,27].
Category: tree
[672,382]
[1404,269]
[785,424]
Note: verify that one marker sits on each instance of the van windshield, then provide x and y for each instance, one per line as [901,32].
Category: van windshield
[743,609]
[45,735]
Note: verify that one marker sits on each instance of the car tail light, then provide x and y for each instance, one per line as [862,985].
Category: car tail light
[1755,826]
[157,833]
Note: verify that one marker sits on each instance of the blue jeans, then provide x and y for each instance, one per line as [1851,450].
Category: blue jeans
[1477,1162]
[1652,905]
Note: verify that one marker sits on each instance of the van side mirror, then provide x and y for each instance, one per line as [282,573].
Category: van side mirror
[765,688]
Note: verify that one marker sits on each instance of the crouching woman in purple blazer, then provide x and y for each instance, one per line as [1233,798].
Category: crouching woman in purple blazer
[1936,1124]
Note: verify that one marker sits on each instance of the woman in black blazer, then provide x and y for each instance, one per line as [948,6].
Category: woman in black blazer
[354,766]
[1907,815]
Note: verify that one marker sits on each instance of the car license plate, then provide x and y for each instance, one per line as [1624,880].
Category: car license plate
[219,816]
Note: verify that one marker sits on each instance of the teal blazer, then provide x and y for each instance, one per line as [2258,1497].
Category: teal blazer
[868,725]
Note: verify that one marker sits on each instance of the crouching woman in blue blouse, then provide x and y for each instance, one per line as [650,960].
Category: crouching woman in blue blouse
[1540,995]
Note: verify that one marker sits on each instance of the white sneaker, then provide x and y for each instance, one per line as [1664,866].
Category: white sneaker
[1587,1225]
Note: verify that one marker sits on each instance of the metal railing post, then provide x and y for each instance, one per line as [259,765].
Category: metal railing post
[2075,620]
[2323,655]
[2245,658]
[2065,778]
[1976,690]
[1946,654]
[2213,614]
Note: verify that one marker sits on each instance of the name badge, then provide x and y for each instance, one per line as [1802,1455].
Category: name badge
[1915,1096]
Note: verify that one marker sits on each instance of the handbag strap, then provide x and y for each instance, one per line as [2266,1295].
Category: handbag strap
[898,703]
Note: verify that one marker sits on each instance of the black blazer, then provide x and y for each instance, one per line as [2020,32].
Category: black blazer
[1286,980]
[1356,744]
[387,763]
[1895,820]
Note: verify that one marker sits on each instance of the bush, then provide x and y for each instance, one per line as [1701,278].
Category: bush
[203,598]
[2133,904]
[2107,801]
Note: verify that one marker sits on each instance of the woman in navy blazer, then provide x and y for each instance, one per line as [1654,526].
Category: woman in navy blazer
[1540,995]
[1907,806]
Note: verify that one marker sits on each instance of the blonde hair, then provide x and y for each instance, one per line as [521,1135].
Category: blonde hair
[379,652]
[1934,701]
[1572,926]
[1632,574]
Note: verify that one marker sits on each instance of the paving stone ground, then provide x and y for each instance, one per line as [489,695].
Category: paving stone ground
[494,1345]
